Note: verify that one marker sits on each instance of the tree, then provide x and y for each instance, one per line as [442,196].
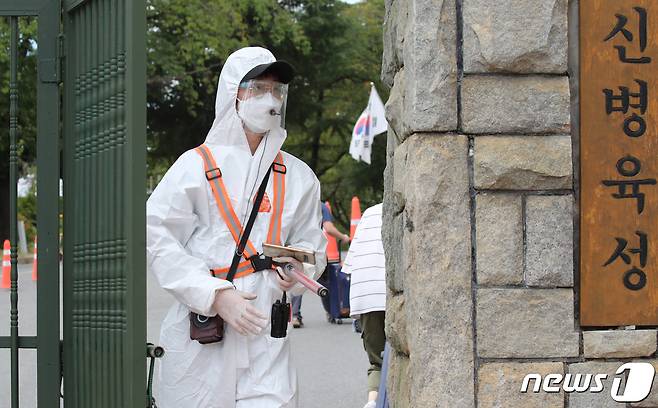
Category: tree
[335,47]
[329,94]
[188,41]
[27,83]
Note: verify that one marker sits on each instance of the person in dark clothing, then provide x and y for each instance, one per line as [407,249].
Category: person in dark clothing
[330,229]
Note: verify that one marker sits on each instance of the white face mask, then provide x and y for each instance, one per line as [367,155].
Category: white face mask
[260,113]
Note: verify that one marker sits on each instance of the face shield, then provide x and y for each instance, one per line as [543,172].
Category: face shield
[262,104]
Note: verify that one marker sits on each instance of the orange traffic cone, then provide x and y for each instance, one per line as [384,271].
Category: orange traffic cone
[333,256]
[5,282]
[356,216]
[34,263]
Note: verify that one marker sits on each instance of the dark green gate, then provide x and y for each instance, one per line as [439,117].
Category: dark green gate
[47,341]
[93,53]
[104,216]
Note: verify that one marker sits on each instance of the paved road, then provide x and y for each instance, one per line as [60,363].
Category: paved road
[331,372]
[27,305]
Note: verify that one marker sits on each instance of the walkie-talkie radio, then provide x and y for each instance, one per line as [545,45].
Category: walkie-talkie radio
[280,318]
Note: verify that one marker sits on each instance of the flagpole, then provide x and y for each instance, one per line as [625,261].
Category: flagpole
[369,120]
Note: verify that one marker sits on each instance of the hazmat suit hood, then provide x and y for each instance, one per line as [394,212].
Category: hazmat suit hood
[227,128]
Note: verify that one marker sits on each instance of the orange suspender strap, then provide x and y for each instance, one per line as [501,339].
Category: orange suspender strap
[244,269]
[214,176]
[279,183]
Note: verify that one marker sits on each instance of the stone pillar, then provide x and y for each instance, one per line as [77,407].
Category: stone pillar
[430,312]
[480,207]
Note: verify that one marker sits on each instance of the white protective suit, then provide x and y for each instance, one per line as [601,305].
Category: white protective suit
[186,237]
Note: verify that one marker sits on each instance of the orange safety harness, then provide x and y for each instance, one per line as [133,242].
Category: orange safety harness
[226,211]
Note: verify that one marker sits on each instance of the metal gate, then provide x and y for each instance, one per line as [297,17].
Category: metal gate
[91,52]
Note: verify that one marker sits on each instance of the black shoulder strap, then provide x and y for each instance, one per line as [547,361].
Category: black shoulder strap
[247,229]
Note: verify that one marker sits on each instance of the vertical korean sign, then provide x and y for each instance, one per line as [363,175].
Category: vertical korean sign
[619,162]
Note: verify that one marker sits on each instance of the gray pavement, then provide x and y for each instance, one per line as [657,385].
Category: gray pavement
[331,362]
[27,306]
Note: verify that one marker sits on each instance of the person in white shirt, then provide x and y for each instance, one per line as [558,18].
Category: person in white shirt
[365,262]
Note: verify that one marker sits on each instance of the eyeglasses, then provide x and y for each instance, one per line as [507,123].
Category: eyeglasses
[258,87]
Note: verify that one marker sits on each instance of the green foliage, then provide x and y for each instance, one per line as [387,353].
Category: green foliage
[27,83]
[336,49]
[27,94]
[331,91]
[188,41]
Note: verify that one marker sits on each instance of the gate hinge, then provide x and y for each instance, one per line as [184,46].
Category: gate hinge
[61,53]
[51,69]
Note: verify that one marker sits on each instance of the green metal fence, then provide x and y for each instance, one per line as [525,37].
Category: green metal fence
[47,340]
[98,63]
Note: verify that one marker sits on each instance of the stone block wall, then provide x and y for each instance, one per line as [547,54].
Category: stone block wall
[480,207]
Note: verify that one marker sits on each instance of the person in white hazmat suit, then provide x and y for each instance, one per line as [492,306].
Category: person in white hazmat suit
[187,236]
